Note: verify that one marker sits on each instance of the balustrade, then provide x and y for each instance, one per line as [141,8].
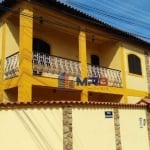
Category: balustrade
[113,76]
[45,64]
[11,66]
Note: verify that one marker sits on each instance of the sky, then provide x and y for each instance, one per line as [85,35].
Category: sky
[131,16]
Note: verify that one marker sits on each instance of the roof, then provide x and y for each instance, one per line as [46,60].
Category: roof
[69,103]
[144,101]
[77,13]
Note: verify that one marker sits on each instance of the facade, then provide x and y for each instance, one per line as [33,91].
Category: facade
[50,51]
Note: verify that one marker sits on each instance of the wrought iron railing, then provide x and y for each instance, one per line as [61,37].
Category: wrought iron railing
[11,66]
[113,76]
[50,65]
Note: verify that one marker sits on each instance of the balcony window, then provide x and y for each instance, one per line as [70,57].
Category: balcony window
[134,64]
[40,46]
[95,60]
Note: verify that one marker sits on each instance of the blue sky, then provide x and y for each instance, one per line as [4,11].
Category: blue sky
[129,15]
[132,16]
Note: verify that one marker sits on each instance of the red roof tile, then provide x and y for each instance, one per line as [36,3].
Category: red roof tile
[144,101]
[58,103]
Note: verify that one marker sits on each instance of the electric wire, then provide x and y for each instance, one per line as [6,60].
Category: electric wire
[118,9]
[50,22]
[108,14]
[96,10]
[129,22]
[3,8]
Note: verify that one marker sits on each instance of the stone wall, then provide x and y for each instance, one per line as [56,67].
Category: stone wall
[117,129]
[148,124]
[147,68]
[67,128]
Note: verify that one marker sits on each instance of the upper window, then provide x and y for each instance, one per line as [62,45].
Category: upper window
[95,60]
[41,46]
[134,64]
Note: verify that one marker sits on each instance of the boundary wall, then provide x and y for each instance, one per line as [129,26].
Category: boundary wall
[73,125]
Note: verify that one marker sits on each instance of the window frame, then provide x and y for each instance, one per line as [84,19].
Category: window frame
[134,64]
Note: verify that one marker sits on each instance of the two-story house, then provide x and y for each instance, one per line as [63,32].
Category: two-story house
[50,51]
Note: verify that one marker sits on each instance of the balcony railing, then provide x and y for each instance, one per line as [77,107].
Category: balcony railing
[53,66]
[44,64]
[113,76]
[11,66]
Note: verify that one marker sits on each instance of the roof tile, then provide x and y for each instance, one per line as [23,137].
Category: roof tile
[56,103]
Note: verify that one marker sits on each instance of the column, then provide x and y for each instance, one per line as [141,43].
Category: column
[2,61]
[24,91]
[83,61]
[123,72]
[25,53]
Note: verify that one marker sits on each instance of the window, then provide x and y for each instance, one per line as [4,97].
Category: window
[134,64]
[94,60]
[41,46]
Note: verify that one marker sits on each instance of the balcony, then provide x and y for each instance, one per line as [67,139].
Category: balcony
[53,66]
[58,67]
[11,66]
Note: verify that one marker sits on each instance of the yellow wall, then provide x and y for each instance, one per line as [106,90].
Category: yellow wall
[31,128]
[108,53]
[135,81]
[132,136]
[62,44]
[93,49]
[0,40]
[68,46]
[91,130]
[12,35]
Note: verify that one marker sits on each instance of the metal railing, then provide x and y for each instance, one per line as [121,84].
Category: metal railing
[49,64]
[113,76]
[11,66]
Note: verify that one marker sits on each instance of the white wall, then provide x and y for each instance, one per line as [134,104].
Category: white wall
[31,129]
[42,129]
[92,131]
[133,99]
[133,137]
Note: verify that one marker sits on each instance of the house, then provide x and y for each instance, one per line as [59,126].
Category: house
[50,51]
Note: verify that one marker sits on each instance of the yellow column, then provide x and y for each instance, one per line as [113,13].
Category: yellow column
[25,53]
[83,61]
[2,61]
[24,91]
[123,73]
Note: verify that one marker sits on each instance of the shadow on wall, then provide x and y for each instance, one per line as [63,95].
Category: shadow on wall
[47,94]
